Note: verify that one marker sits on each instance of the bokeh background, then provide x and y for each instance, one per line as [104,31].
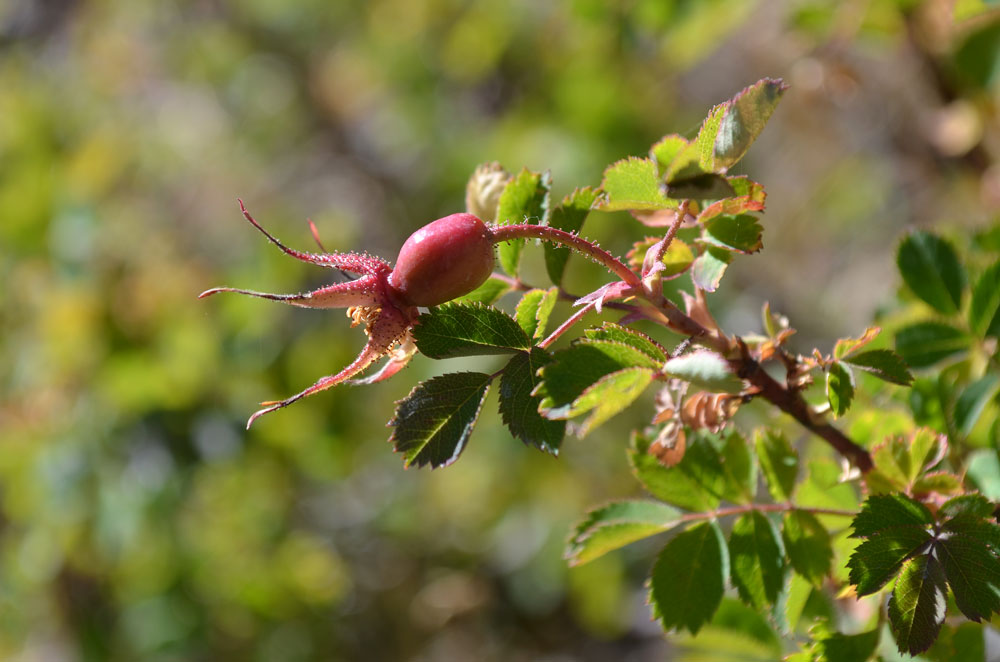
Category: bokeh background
[139,521]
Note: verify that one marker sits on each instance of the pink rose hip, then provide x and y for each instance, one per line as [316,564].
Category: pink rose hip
[443,260]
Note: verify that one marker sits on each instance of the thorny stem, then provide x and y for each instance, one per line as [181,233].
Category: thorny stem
[579,244]
[570,321]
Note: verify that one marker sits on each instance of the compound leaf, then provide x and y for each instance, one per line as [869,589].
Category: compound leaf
[918,605]
[689,578]
[519,408]
[464,329]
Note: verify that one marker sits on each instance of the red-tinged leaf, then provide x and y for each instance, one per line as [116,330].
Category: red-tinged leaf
[847,346]
[730,207]
[689,578]
[735,233]
[733,126]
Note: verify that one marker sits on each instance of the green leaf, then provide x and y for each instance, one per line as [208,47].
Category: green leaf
[983,469]
[931,269]
[740,467]
[606,397]
[706,370]
[887,512]
[617,524]
[973,505]
[519,408]
[534,309]
[808,545]
[918,605]
[897,529]
[778,461]
[433,423]
[633,183]
[970,561]
[746,188]
[984,313]
[731,127]
[666,150]
[689,578]
[925,343]
[709,267]
[849,647]
[620,334]
[884,364]
[696,483]
[839,388]
[487,293]
[676,259]
[736,233]
[568,216]
[973,401]
[701,186]
[757,559]
[799,590]
[525,199]
[461,329]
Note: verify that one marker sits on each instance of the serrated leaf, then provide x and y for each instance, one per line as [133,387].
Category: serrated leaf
[617,524]
[808,545]
[925,343]
[839,388]
[612,332]
[525,199]
[939,482]
[731,127]
[973,401]
[799,590]
[735,233]
[984,312]
[696,483]
[568,216]
[709,267]
[702,186]
[846,346]
[779,463]
[731,206]
[676,259]
[461,329]
[666,150]
[574,369]
[519,408]
[433,423]
[744,187]
[740,467]
[689,578]
[608,396]
[877,560]
[969,558]
[633,183]
[884,364]
[533,311]
[931,269]
[881,513]
[487,293]
[918,605]
[757,560]
[706,370]
[972,505]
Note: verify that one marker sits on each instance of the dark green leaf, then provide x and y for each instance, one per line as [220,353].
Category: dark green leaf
[925,343]
[463,329]
[849,647]
[525,199]
[839,388]
[433,423]
[931,269]
[706,370]
[733,126]
[534,309]
[519,408]
[617,524]
[984,313]
[487,293]
[689,578]
[808,545]
[701,186]
[633,183]
[568,216]
[882,513]
[709,267]
[778,461]
[737,233]
[696,483]
[975,505]
[918,605]
[970,561]
[884,364]
[606,397]
[746,188]
[757,559]
[973,401]
[626,336]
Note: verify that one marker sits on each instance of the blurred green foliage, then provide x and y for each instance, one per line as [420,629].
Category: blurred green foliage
[139,521]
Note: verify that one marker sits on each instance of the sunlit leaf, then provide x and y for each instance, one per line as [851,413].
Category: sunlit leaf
[433,423]
[925,343]
[884,364]
[568,216]
[839,388]
[696,483]
[632,183]
[706,370]
[808,545]
[984,312]
[460,329]
[779,463]
[709,267]
[736,233]
[525,199]
[757,559]
[617,524]
[666,150]
[734,125]
[918,605]
[487,293]
[609,331]
[533,311]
